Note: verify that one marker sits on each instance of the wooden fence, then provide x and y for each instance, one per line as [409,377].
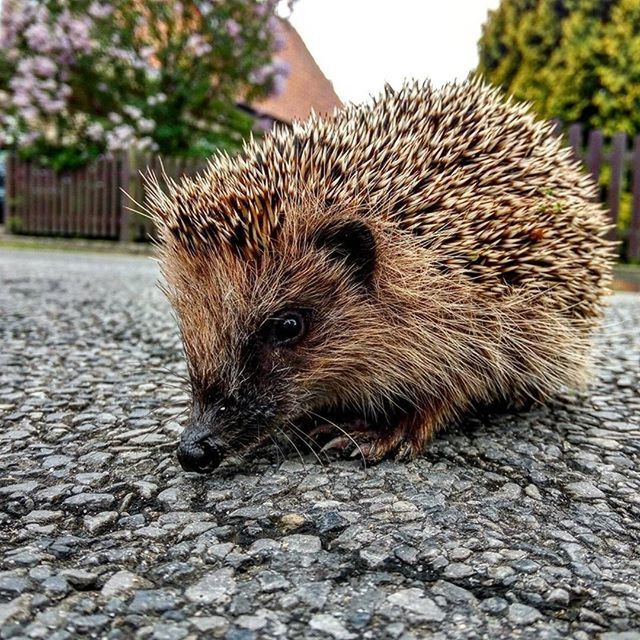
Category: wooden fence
[614,164]
[90,202]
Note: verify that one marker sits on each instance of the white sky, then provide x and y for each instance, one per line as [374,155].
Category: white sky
[360,44]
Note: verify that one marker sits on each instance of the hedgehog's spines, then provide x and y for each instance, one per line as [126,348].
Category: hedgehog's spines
[414,155]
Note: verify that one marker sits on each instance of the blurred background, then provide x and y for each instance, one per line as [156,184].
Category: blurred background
[93,91]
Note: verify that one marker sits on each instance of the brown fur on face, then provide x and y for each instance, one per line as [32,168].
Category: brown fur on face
[445,250]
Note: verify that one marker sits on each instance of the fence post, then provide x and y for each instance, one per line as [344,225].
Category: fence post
[633,248]
[127,168]
[575,140]
[9,176]
[619,148]
[594,154]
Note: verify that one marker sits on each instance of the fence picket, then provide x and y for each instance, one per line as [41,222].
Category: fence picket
[119,180]
[65,180]
[78,202]
[574,135]
[101,184]
[47,202]
[64,213]
[618,152]
[107,189]
[39,171]
[8,191]
[18,188]
[80,177]
[633,248]
[59,221]
[33,193]
[48,222]
[89,179]
[27,201]
[46,194]
[125,220]
[99,192]
[83,222]
[594,155]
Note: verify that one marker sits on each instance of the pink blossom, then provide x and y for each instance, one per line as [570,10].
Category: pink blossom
[39,38]
[21,100]
[206,8]
[278,85]
[99,11]
[44,67]
[121,138]
[260,75]
[147,52]
[276,72]
[132,111]
[95,131]
[76,30]
[198,45]
[28,138]
[16,16]
[30,113]
[51,86]
[156,99]
[233,28]
[146,125]
[261,9]
[281,67]
[277,32]
[52,106]
[146,144]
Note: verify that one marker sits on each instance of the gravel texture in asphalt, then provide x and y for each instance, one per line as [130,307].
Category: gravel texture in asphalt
[513,526]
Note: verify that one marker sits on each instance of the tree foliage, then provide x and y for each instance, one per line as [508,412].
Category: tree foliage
[84,77]
[578,60]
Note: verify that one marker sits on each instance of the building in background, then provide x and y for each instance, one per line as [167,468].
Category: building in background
[306,88]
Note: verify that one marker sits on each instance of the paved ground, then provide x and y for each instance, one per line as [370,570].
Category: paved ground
[515,527]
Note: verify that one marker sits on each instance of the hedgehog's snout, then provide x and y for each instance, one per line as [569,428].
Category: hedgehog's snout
[202,456]
[199,449]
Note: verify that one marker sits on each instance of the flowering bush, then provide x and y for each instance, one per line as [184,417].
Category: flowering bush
[84,77]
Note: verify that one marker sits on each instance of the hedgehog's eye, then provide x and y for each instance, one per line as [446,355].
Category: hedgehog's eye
[287,328]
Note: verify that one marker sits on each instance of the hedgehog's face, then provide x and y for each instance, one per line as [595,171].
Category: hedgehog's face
[276,343]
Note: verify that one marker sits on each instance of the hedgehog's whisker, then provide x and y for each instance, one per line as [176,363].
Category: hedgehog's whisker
[293,444]
[344,432]
[280,452]
[308,442]
[180,376]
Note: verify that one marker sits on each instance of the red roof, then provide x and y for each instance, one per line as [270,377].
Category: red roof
[306,87]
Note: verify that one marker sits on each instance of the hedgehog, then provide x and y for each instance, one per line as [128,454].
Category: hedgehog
[372,276]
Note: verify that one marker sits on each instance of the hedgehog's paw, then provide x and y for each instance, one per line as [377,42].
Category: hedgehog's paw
[366,445]
[415,442]
[408,451]
[351,445]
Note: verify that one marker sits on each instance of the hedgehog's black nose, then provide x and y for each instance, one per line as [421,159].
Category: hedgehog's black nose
[200,454]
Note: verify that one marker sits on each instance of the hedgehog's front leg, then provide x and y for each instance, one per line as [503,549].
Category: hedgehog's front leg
[407,439]
[370,445]
[419,429]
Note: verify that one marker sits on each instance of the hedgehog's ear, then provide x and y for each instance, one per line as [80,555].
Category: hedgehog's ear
[351,242]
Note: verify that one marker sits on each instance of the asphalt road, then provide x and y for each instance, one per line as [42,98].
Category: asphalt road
[515,526]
